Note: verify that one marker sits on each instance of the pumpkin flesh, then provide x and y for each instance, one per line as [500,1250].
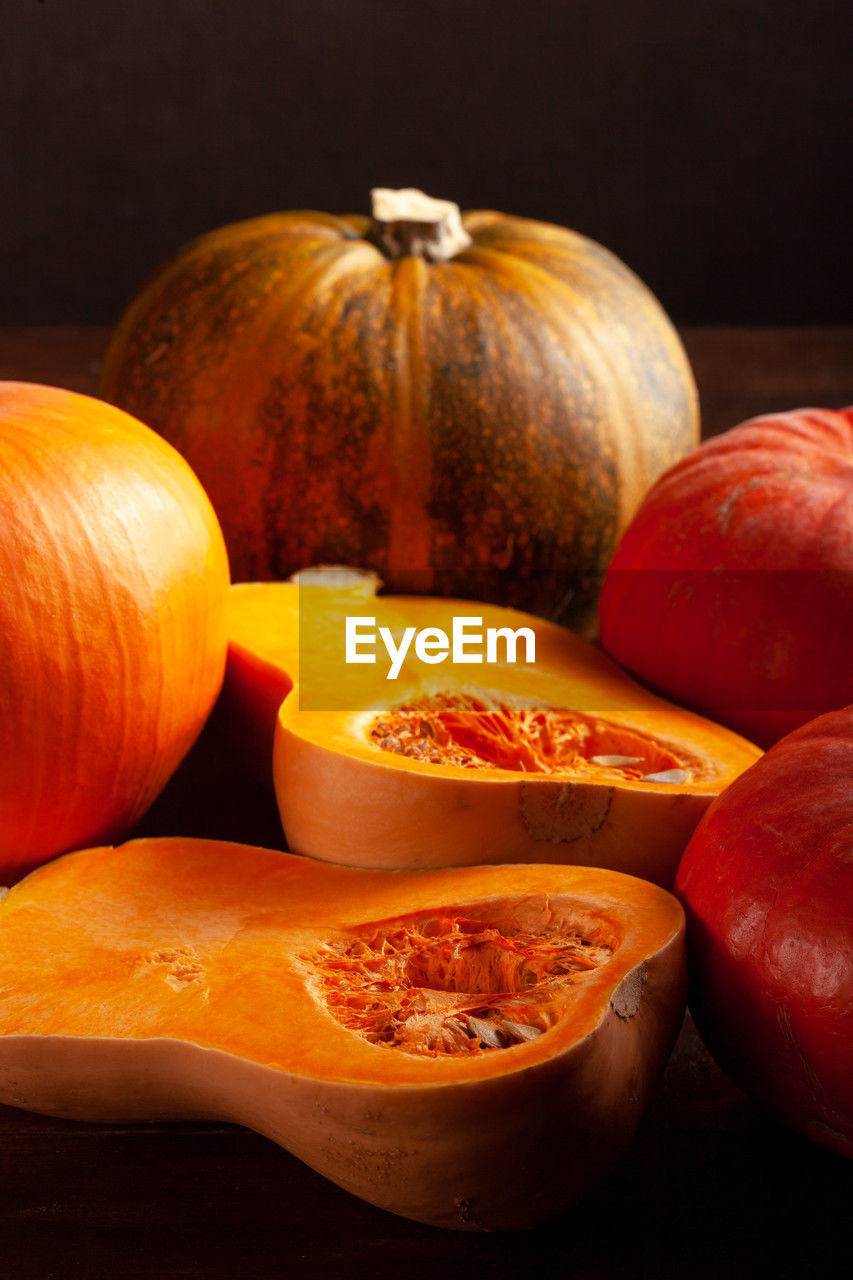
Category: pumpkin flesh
[343,794]
[565,760]
[131,981]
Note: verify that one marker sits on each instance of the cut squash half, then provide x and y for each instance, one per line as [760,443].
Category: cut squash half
[471,1048]
[562,759]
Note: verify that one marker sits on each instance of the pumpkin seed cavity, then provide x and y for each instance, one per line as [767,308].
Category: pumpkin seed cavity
[473,732]
[439,985]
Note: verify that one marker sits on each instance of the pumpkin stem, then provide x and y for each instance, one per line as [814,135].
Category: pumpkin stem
[337,577]
[408,223]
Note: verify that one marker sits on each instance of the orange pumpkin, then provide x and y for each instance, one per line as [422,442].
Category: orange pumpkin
[470,406]
[469,1048]
[113,585]
[562,760]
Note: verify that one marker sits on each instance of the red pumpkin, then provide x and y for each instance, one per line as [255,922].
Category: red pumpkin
[113,585]
[471,406]
[731,591]
[767,883]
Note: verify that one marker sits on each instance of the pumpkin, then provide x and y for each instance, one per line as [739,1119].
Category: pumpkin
[113,588]
[732,590]
[564,759]
[469,1048]
[468,405]
[767,882]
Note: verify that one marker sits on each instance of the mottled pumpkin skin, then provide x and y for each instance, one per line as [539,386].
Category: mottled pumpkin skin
[767,883]
[483,426]
[113,587]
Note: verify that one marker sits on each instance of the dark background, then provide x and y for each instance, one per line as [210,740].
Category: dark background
[707,143]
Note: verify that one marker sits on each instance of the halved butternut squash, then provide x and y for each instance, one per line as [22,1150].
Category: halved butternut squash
[470,1048]
[264,641]
[564,759]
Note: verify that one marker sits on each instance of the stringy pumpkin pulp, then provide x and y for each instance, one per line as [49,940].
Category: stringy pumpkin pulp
[450,984]
[471,732]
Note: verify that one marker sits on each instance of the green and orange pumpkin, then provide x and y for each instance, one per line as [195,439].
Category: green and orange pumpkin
[470,405]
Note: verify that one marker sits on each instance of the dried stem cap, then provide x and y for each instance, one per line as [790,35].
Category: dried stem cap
[409,223]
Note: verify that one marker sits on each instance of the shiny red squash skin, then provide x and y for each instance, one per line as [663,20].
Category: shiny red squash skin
[731,591]
[767,884]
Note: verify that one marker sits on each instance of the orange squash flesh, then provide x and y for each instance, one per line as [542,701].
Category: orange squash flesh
[344,796]
[183,978]
[263,649]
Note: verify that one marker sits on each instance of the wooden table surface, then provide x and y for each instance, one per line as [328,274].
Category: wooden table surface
[710,1189]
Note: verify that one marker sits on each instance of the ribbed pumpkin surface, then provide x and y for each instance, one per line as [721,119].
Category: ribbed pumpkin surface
[482,426]
[113,581]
